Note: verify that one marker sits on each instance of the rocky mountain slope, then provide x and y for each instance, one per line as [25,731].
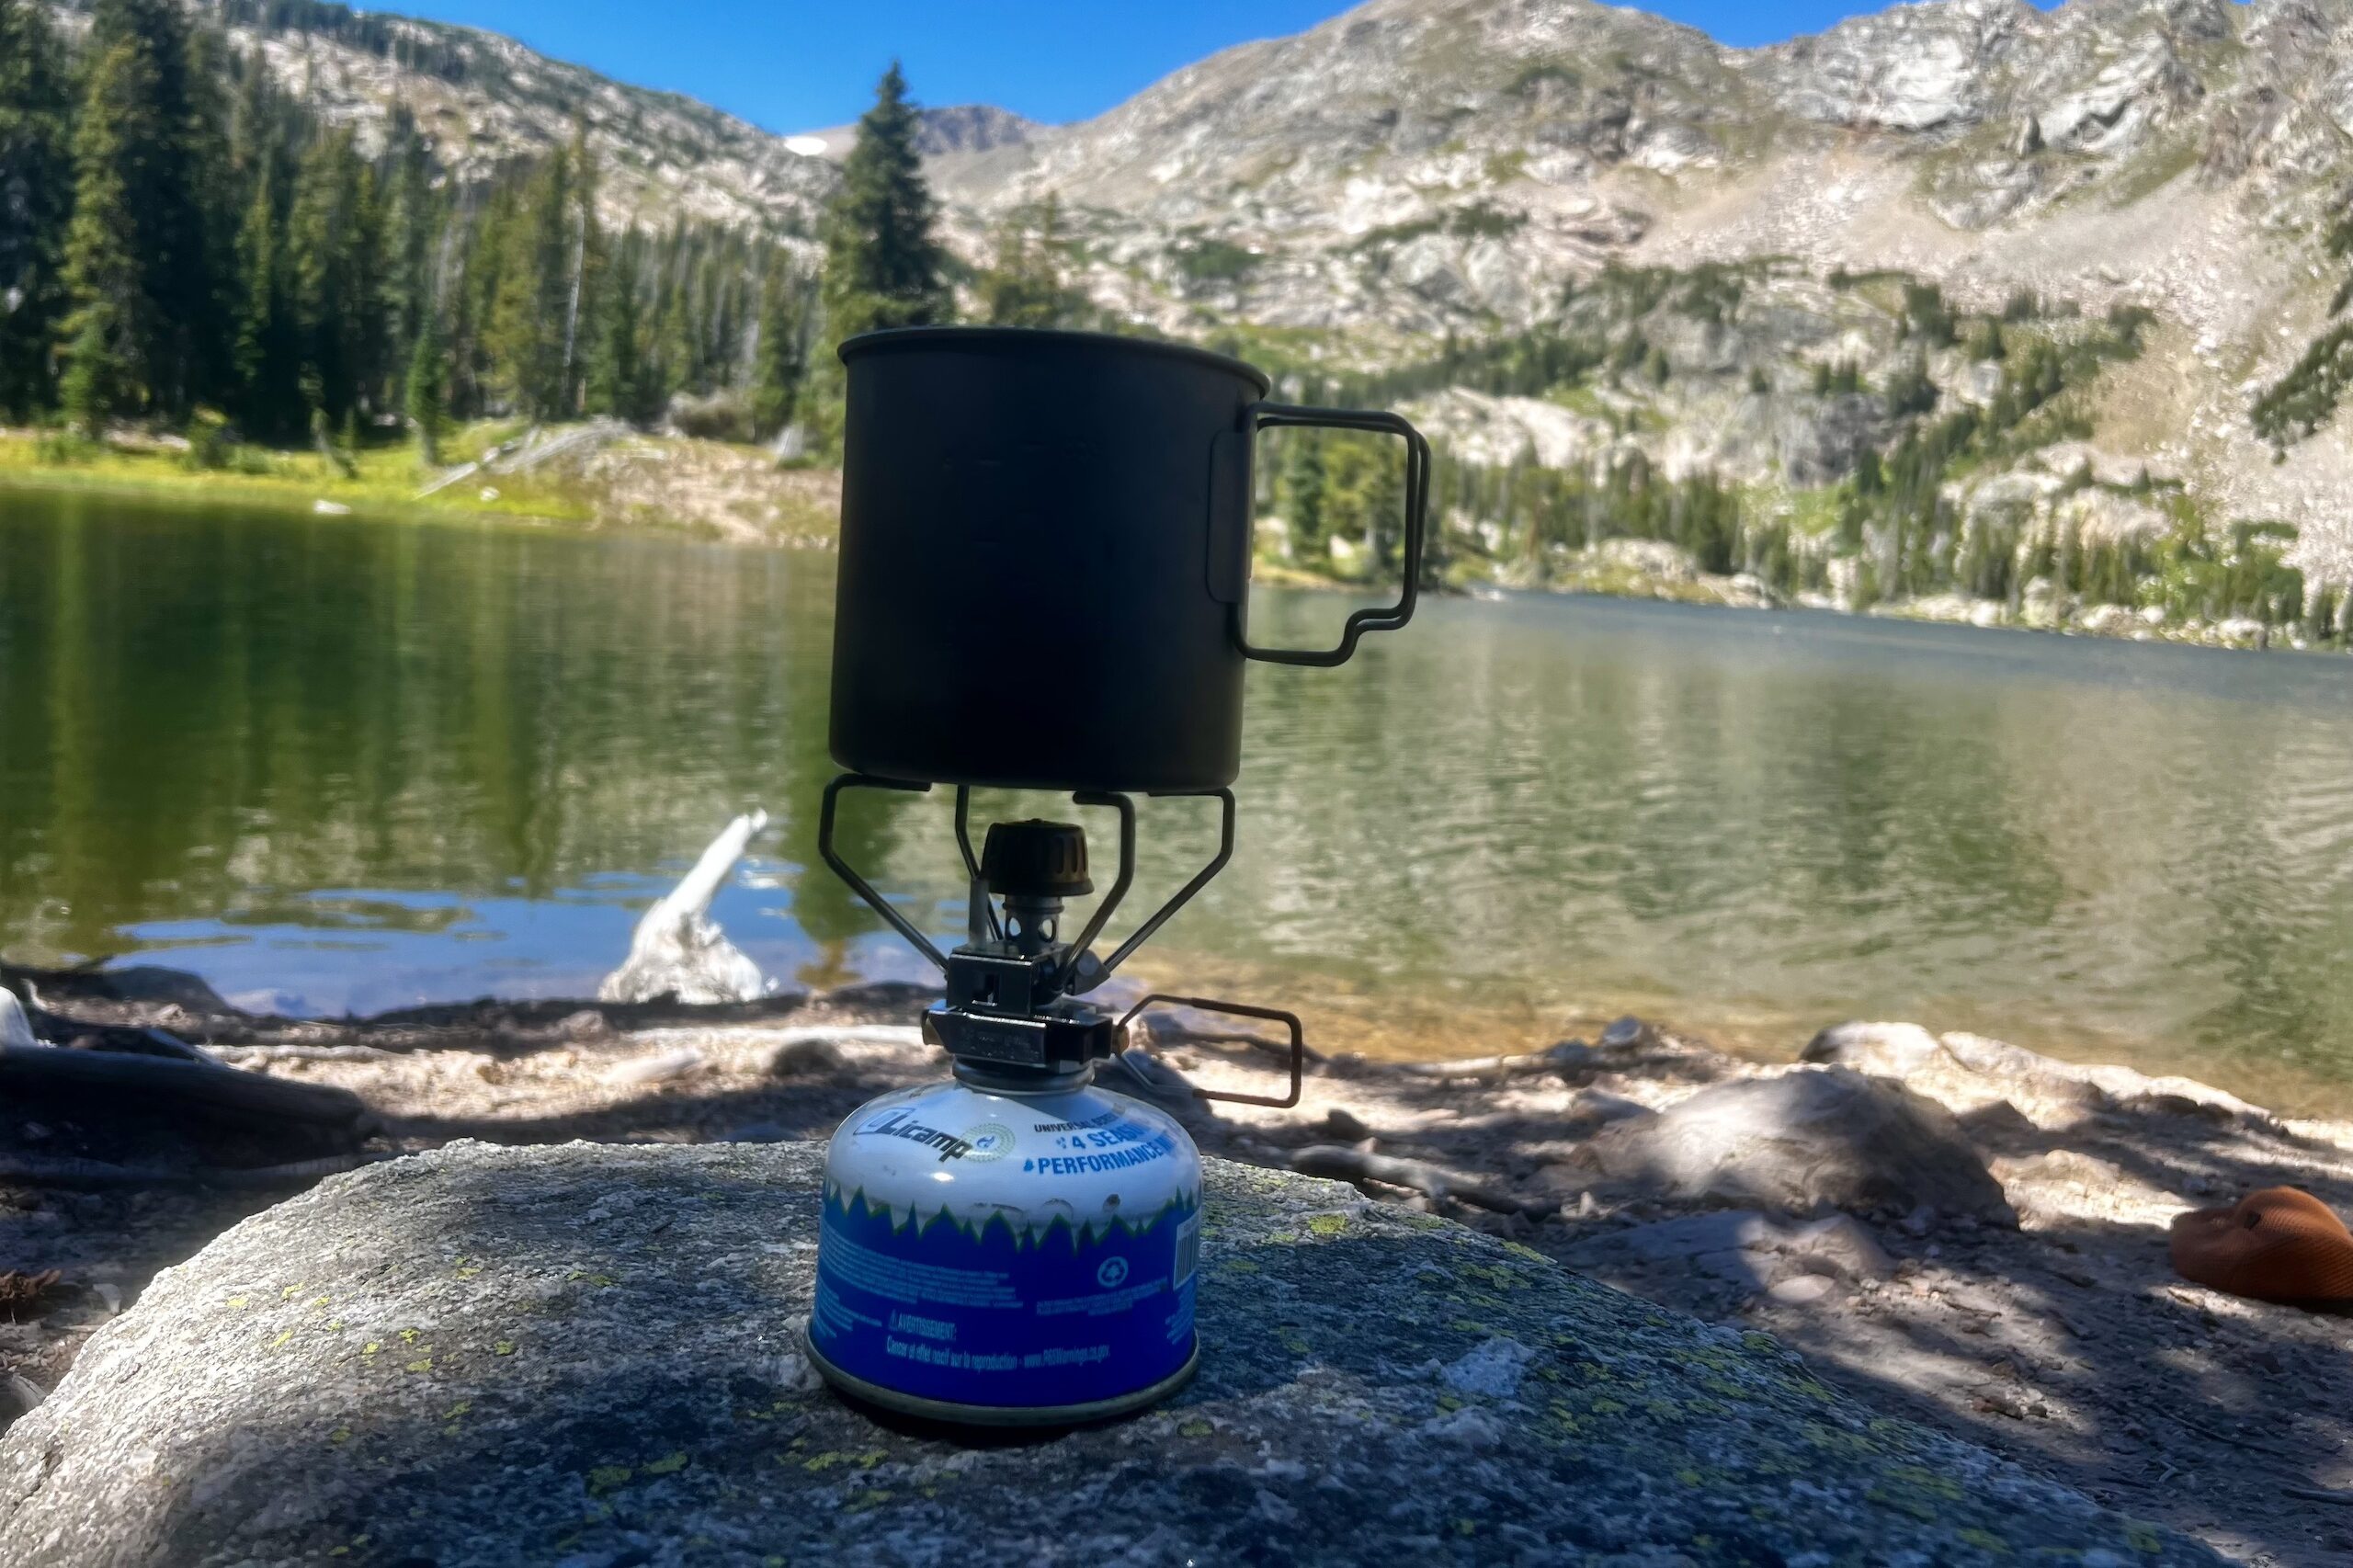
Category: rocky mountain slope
[1418,167]
[1934,136]
[965,131]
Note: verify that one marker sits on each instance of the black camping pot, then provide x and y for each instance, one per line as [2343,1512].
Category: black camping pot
[1045,558]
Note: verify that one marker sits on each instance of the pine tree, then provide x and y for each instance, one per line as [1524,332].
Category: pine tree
[36,184]
[1025,288]
[411,215]
[677,358]
[369,327]
[615,356]
[586,303]
[776,386]
[533,301]
[473,298]
[203,287]
[97,380]
[1384,510]
[336,245]
[112,332]
[150,150]
[267,358]
[883,267]
[428,395]
[1302,496]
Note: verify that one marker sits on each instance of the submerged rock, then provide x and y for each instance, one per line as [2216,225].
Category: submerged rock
[1810,1137]
[589,1354]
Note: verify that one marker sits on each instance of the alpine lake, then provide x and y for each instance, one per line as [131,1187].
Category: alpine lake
[343,763]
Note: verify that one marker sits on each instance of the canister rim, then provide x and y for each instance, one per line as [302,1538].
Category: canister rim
[1041,337]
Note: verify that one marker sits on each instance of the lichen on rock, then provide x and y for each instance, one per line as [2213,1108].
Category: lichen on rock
[589,1355]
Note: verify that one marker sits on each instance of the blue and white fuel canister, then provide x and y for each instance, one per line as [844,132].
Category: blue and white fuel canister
[1008,1256]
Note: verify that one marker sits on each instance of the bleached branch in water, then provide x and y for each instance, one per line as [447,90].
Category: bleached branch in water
[678,950]
[15,1029]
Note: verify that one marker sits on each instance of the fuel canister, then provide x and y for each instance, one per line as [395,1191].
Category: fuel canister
[1008,1254]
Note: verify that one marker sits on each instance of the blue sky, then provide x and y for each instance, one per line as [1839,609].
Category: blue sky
[806,64]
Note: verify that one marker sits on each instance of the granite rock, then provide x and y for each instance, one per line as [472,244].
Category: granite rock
[1809,1138]
[1741,1247]
[1972,1072]
[589,1355]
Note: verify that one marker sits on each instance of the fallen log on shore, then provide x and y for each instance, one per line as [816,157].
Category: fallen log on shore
[65,1171]
[203,1088]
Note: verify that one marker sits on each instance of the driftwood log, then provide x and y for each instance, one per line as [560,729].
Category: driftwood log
[234,1054]
[50,1170]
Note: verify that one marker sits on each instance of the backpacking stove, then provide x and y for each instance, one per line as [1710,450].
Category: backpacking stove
[1017,1246]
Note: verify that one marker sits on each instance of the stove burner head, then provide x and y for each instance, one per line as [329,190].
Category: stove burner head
[1015,1013]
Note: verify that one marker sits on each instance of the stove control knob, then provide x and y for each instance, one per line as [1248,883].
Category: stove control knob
[1035,860]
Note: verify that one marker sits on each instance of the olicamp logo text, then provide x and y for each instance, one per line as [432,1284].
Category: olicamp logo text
[898,1124]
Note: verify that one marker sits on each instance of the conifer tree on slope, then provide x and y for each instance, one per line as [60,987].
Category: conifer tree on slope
[36,186]
[336,236]
[412,212]
[145,270]
[586,264]
[112,332]
[619,377]
[205,285]
[470,300]
[883,267]
[428,398]
[267,353]
[528,321]
[1026,286]
[1303,496]
[264,384]
[775,384]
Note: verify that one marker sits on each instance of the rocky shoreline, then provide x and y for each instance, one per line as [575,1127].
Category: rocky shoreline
[599,476]
[1944,1226]
[1646,569]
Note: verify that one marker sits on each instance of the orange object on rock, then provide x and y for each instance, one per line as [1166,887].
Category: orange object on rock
[2278,1244]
